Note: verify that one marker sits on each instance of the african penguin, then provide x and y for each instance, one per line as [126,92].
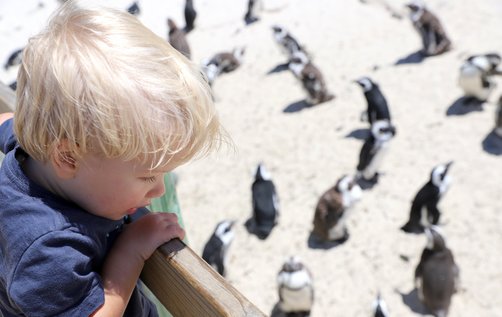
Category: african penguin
[311,78]
[436,275]
[15,58]
[377,104]
[216,248]
[295,286]
[333,208]
[190,15]
[373,151]
[177,38]
[134,8]
[475,75]
[265,203]
[288,44]
[434,38]
[252,11]
[498,118]
[224,62]
[424,210]
[379,307]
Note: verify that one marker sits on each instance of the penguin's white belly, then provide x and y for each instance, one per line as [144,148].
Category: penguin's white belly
[471,83]
[370,171]
[296,300]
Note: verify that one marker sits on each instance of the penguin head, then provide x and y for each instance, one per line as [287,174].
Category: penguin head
[439,174]
[366,83]
[416,5]
[224,231]
[278,31]
[380,307]
[299,58]
[294,274]
[262,173]
[435,238]
[171,24]
[383,130]
[238,53]
[494,59]
[349,189]
[211,71]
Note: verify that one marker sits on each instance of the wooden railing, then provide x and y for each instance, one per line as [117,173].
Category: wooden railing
[183,282]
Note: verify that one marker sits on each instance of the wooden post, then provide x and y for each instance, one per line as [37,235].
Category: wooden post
[188,287]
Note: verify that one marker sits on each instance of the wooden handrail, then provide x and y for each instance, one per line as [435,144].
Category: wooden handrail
[182,281]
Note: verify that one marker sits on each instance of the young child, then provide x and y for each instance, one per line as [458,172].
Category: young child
[104,109]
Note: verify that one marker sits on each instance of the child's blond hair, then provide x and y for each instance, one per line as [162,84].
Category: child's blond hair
[99,80]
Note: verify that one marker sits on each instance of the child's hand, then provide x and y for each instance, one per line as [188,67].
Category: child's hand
[150,231]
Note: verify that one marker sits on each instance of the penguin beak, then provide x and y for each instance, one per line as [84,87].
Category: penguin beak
[448,166]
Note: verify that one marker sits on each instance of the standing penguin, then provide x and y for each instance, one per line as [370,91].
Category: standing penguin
[288,44]
[190,15]
[380,307]
[251,13]
[312,79]
[224,62]
[265,203]
[424,210]
[216,248]
[436,275]
[498,118]
[377,104]
[374,149]
[434,38]
[178,39]
[475,76]
[15,58]
[333,208]
[296,291]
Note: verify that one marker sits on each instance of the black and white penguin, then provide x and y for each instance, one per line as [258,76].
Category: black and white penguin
[190,15]
[224,62]
[252,11]
[216,248]
[15,58]
[134,8]
[311,78]
[296,290]
[498,119]
[374,150]
[475,75]
[379,307]
[333,209]
[288,44]
[265,203]
[424,210]
[377,104]
[434,38]
[436,275]
[177,38]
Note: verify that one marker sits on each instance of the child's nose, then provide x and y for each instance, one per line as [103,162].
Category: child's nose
[158,190]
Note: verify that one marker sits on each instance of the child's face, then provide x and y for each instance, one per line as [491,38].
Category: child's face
[112,188]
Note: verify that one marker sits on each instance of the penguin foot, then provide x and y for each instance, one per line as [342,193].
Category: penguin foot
[409,228]
[250,19]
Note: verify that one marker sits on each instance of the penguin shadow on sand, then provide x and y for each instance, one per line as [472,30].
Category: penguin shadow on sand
[279,68]
[413,58]
[464,105]
[359,134]
[314,242]
[297,106]
[413,302]
[492,143]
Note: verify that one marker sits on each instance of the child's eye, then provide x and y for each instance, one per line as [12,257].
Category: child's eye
[149,179]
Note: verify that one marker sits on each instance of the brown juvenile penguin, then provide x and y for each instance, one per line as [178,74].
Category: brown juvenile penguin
[434,38]
[177,38]
[332,210]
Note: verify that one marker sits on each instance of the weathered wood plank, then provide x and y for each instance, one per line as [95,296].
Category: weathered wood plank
[187,286]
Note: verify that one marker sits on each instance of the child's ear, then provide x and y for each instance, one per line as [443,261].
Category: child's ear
[64,161]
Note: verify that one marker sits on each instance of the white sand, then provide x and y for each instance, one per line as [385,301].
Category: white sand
[308,150]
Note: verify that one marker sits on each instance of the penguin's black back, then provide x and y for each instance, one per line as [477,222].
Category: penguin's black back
[213,253]
[428,197]
[367,153]
[377,105]
[263,203]
[190,15]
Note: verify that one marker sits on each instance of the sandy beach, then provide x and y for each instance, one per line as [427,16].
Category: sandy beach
[307,149]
